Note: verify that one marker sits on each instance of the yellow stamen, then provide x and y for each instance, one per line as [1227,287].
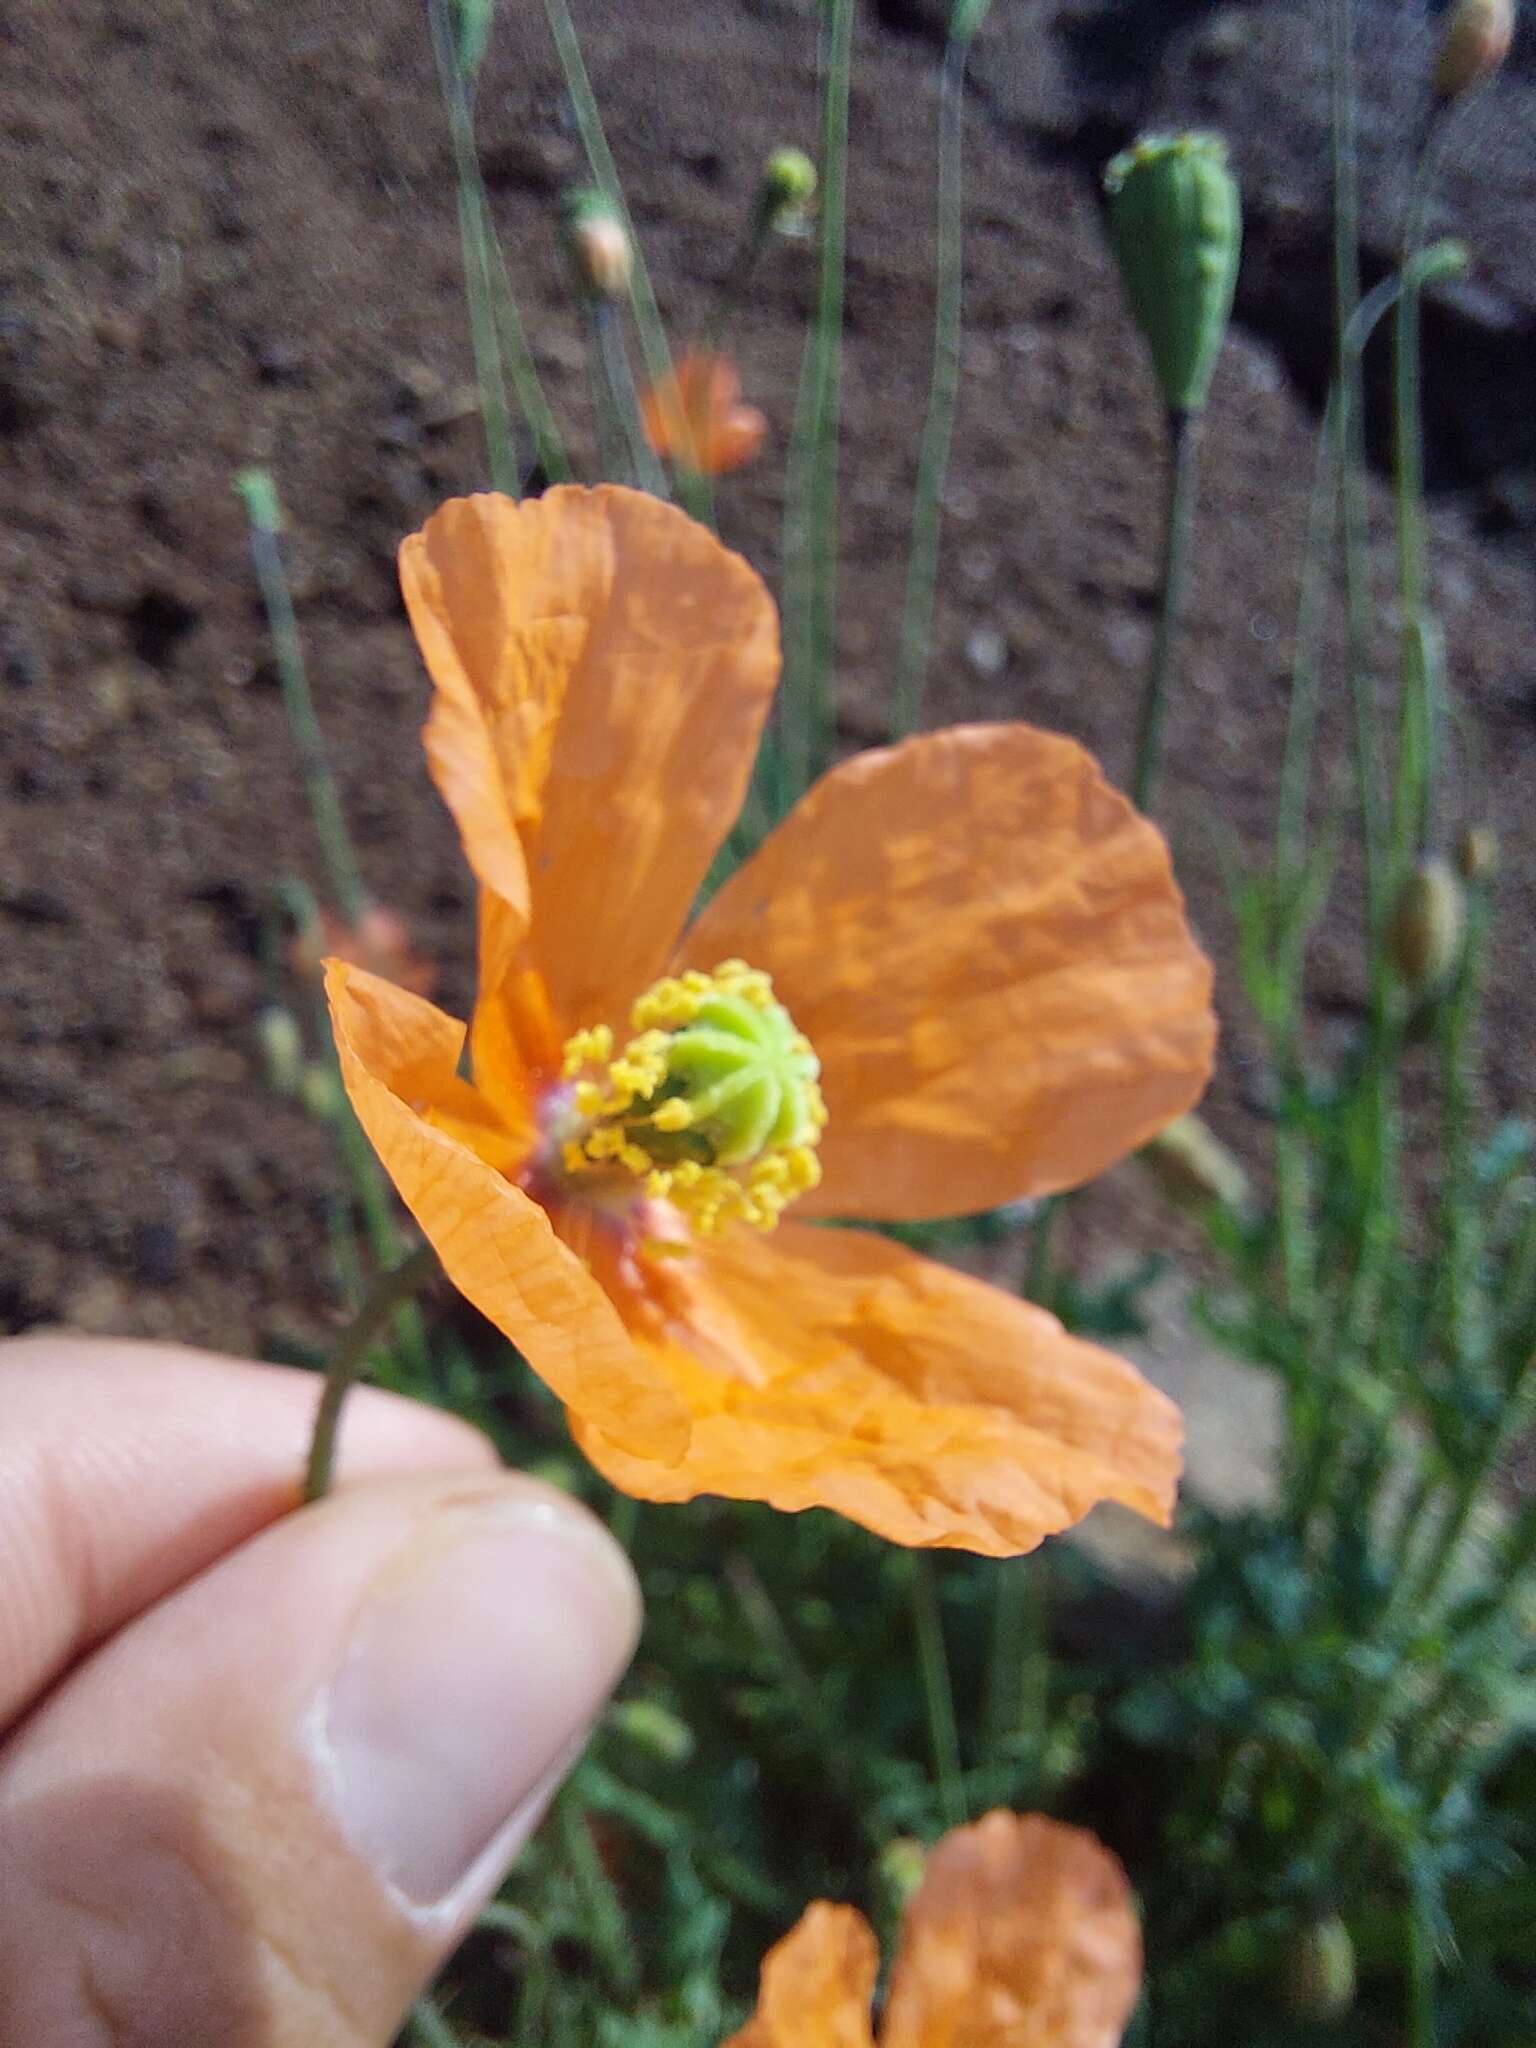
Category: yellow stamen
[713,1104]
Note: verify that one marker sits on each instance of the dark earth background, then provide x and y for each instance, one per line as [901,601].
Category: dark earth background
[227,236]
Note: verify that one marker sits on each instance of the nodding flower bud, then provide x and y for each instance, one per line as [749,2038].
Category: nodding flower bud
[1477,853]
[1175,220]
[1424,938]
[1473,45]
[471,33]
[787,189]
[1320,1970]
[653,1729]
[901,1864]
[1192,1165]
[282,1049]
[599,243]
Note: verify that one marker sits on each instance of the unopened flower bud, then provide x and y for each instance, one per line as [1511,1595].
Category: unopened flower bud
[1192,1165]
[1320,1970]
[599,244]
[1175,220]
[471,33]
[653,1729]
[282,1049]
[1425,936]
[1477,853]
[901,1866]
[1473,45]
[788,187]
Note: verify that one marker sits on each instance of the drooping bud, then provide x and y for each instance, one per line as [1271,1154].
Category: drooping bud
[599,243]
[966,16]
[1192,1165]
[1175,220]
[282,1049]
[787,189]
[901,1865]
[1320,1970]
[1424,939]
[1473,45]
[1477,853]
[654,1729]
[471,33]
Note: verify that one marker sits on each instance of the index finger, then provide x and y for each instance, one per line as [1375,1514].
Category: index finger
[127,1468]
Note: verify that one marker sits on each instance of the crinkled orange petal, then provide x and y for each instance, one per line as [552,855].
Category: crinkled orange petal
[1022,1934]
[816,1985]
[697,418]
[602,668]
[449,1154]
[986,946]
[831,1368]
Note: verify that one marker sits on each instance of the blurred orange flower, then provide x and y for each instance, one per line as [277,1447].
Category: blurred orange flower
[982,987]
[380,941]
[696,418]
[1022,1934]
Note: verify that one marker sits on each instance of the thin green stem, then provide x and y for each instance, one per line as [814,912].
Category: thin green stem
[738,273]
[938,1693]
[612,1942]
[430,2028]
[485,340]
[351,1357]
[343,874]
[807,725]
[943,392]
[654,351]
[1016,1705]
[617,381]
[1173,582]
[1311,605]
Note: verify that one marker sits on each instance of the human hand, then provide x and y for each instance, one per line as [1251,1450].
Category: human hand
[259,1769]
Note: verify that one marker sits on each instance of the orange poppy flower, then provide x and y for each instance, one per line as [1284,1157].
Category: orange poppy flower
[959,972]
[696,417]
[1022,1934]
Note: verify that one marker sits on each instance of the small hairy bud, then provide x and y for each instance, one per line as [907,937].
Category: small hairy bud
[901,1866]
[1473,45]
[282,1049]
[1320,1970]
[1192,1165]
[1427,925]
[654,1729]
[788,187]
[1477,853]
[1175,221]
[599,244]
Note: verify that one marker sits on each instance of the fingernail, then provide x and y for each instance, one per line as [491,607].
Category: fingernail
[475,1665]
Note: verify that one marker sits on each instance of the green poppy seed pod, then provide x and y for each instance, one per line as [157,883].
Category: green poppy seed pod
[1477,853]
[599,243]
[1473,45]
[788,187]
[1320,1970]
[1424,939]
[1175,220]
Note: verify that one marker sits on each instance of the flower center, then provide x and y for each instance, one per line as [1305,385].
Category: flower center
[713,1104]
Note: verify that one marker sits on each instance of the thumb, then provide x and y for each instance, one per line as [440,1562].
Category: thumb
[262,1814]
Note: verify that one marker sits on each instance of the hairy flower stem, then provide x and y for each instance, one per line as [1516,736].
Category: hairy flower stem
[654,352]
[1173,583]
[474,238]
[938,1692]
[343,874]
[810,596]
[943,391]
[626,452]
[390,1292]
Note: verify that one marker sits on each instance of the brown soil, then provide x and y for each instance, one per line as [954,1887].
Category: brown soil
[230,237]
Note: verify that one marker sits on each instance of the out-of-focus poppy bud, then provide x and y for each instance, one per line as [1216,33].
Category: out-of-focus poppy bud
[1192,1165]
[787,189]
[380,941]
[599,243]
[471,33]
[654,1729]
[697,419]
[1473,45]
[1320,1970]
[1477,853]
[1424,939]
[1175,221]
[282,1049]
[901,1865]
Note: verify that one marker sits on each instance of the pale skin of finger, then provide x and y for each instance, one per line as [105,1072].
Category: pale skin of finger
[126,1468]
[263,1812]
